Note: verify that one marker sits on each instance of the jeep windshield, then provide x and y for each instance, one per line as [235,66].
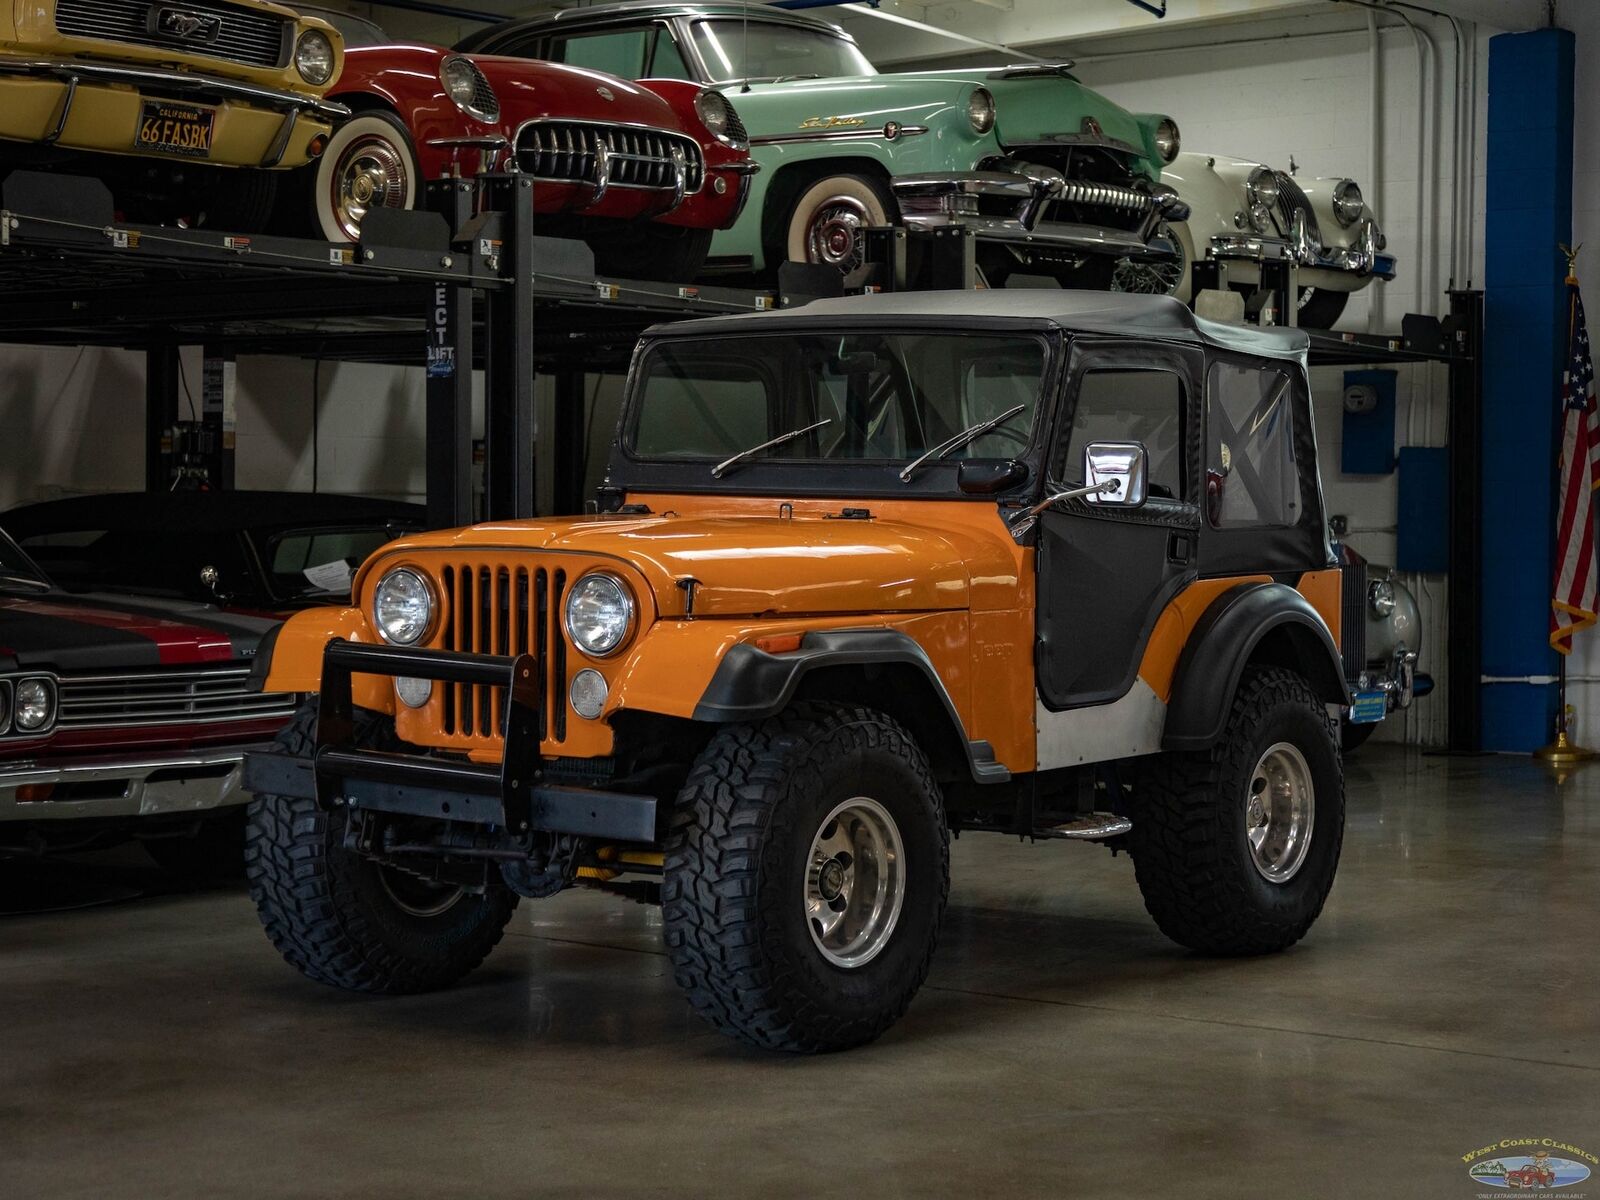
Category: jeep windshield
[772,52]
[862,398]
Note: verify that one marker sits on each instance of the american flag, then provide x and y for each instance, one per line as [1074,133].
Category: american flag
[1574,605]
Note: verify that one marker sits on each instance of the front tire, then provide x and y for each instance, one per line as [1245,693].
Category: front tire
[345,920]
[823,224]
[1320,308]
[806,874]
[369,163]
[1235,848]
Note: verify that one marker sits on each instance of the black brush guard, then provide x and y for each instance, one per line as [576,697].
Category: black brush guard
[508,796]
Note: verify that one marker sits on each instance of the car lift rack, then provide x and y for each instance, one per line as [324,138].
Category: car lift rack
[468,282]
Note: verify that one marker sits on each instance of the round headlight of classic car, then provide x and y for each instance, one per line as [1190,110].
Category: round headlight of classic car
[1380,597]
[980,110]
[1168,140]
[403,607]
[599,614]
[469,88]
[1262,187]
[717,115]
[1348,202]
[314,58]
[35,705]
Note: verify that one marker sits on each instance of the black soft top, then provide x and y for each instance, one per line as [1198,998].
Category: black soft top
[1115,314]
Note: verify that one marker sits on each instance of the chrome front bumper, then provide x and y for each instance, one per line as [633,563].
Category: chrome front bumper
[945,199]
[1362,259]
[175,83]
[142,786]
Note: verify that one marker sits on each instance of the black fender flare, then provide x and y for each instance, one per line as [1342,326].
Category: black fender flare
[1224,641]
[750,684]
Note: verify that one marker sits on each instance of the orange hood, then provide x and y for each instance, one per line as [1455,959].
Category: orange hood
[749,565]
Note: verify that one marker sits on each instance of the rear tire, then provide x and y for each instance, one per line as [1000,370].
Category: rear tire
[1195,814]
[806,874]
[1320,308]
[344,920]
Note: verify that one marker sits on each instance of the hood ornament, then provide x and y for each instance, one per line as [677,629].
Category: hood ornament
[605,93]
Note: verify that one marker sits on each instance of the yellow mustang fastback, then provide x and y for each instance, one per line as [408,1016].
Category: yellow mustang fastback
[232,84]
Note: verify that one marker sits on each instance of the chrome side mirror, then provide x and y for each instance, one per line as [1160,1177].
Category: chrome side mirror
[209,577]
[1126,464]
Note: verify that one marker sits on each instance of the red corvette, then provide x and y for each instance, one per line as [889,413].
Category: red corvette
[643,172]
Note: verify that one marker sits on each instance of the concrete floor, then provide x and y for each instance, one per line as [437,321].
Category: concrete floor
[158,1046]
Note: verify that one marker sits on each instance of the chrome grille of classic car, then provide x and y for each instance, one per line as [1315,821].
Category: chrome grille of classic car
[493,608]
[1292,199]
[570,151]
[1353,617]
[242,35]
[167,696]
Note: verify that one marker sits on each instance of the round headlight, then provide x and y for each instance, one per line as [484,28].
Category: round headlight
[599,614]
[717,115]
[469,89]
[1168,140]
[1348,203]
[1262,187]
[35,704]
[1380,597]
[314,58]
[402,607]
[980,110]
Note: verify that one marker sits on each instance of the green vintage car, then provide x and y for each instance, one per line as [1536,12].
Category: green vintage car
[1054,179]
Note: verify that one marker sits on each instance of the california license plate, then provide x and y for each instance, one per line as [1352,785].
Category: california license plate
[1368,708]
[183,129]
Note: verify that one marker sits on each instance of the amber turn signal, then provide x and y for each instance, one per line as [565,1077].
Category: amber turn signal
[780,643]
[318,145]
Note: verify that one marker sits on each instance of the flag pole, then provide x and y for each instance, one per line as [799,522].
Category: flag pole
[1563,752]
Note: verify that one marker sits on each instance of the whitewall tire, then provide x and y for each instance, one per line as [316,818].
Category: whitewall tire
[823,223]
[369,163]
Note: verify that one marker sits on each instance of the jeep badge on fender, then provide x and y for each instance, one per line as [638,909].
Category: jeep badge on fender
[1050,564]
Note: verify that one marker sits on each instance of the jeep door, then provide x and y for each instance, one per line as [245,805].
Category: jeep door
[1105,573]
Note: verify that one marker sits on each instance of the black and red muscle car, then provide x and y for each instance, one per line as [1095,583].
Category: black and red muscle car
[644,172]
[123,718]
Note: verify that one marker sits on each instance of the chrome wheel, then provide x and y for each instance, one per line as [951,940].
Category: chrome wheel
[855,882]
[415,896]
[1279,810]
[831,232]
[1152,278]
[372,172]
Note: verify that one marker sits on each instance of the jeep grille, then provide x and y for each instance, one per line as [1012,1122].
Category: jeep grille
[242,35]
[499,609]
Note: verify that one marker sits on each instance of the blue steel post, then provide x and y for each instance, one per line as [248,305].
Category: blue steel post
[1528,214]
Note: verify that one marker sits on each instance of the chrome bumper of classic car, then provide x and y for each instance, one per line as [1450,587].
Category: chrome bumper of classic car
[1363,258]
[943,199]
[139,786]
[172,84]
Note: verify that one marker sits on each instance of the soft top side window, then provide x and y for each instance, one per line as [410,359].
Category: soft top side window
[1252,479]
[1129,405]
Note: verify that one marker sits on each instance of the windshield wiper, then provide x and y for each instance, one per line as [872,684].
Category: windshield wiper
[945,449]
[718,470]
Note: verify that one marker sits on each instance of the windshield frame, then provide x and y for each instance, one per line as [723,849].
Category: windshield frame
[836,477]
[11,555]
[713,76]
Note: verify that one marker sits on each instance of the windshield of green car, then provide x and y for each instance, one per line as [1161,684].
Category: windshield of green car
[771,51]
[872,397]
